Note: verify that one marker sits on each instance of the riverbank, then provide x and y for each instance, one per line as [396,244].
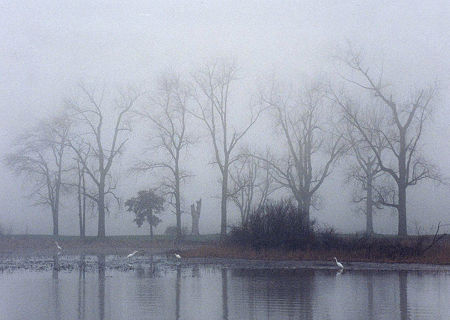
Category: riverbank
[43,245]
[205,247]
[440,255]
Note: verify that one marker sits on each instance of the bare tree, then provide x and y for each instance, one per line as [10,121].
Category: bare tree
[365,171]
[312,145]
[213,86]
[402,131]
[81,197]
[95,150]
[40,156]
[168,111]
[251,184]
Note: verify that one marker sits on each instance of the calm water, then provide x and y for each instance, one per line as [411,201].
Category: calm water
[170,290]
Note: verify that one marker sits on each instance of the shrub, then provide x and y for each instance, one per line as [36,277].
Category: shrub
[275,225]
[172,231]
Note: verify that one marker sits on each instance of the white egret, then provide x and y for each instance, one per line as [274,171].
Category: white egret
[132,254]
[58,246]
[340,266]
[177,256]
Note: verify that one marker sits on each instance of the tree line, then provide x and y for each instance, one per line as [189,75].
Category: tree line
[375,127]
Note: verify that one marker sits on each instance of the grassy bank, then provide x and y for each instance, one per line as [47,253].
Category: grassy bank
[209,246]
[45,244]
[386,249]
[437,256]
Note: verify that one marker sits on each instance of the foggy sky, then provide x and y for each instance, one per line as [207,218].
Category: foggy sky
[49,46]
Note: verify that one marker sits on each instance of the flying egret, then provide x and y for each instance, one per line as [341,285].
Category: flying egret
[132,254]
[340,266]
[177,256]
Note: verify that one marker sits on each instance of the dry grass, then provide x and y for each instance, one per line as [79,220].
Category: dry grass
[438,255]
[44,245]
[37,245]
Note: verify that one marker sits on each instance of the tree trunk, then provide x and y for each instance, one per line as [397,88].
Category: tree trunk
[80,211]
[369,204]
[305,213]
[402,225]
[101,210]
[178,205]
[81,188]
[55,222]
[80,203]
[223,206]
[151,231]
[56,204]
[83,180]
[195,213]
[402,185]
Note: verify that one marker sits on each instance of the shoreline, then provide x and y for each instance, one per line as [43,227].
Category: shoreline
[316,265]
[212,252]
[71,262]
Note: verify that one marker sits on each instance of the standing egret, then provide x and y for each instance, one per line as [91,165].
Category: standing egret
[177,256]
[340,266]
[132,254]
[58,246]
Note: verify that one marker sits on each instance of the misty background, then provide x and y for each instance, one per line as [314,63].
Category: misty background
[48,47]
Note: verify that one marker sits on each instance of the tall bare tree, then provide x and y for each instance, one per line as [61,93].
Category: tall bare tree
[312,145]
[402,131]
[213,96]
[81,197]
[40,156]
[364,170]
[168,112]
[100,140]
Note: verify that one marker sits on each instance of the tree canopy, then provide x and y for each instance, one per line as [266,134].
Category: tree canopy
[146,205]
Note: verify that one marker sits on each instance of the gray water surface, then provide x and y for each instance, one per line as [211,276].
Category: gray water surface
[164,288]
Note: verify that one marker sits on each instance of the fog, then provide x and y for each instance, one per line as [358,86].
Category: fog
[48,47]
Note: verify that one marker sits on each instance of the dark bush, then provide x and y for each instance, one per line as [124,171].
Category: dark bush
[276,225]
[172,231]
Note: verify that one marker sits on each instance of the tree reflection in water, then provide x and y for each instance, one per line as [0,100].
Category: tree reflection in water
[82,288]
[370,309]
[55,286]
[225,294]
[184,291]
[403,291]
[177,292]
[101,286]
[291,290]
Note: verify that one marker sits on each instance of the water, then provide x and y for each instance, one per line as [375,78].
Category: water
[167,289]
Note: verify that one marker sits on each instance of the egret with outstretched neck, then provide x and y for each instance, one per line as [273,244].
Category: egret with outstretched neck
[132,254]
[177,256]
[340,265]
[58,246]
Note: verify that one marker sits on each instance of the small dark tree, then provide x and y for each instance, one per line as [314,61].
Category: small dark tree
[146,206]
